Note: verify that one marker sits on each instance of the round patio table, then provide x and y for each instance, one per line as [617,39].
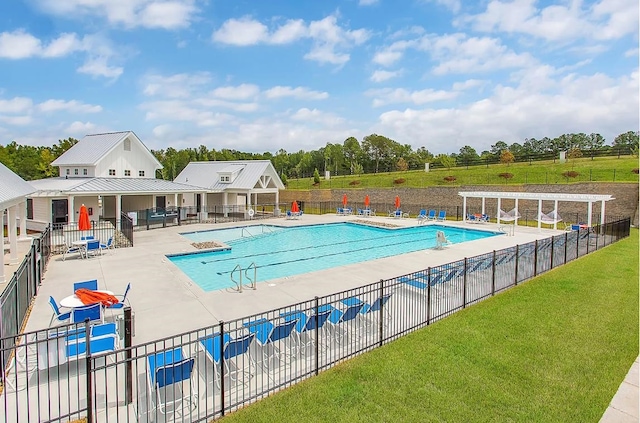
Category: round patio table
[72,301]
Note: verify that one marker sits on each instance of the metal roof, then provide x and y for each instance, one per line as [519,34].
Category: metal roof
[13,189]
[104,186]
[90,149]
[584,198]
[206,174]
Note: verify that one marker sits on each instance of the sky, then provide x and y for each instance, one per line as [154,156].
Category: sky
[262,76]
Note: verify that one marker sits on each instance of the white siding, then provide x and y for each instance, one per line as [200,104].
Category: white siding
[135,161]
[137,202]
[91,171]
[42,209]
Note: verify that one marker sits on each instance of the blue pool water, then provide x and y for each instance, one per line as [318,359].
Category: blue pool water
[278,252]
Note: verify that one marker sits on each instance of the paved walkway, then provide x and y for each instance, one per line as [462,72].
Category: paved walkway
[624,405]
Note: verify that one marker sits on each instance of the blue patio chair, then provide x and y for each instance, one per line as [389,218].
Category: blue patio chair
[109,245]
[397,214]
[122,299]
[232,348]
[70,250]
[431,215]
[95,332]
[306,325]
[340,317]
[57,315]
[167,374]
[93,246]
[442,216]
[86,238]
[92,312]
[91,285]
[274,340]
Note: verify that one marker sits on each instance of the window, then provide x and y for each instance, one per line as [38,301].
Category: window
[68,171]
[127,173]
[75,171]
[141,173]
[29,209]
[127,145]
[224,179]
[112,172]
[84,172]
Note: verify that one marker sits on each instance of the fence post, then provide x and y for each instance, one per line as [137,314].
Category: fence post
[493,274]
[89,381]
[221,367]
[128,321]
[381,312]
[317,333]
[553,241]
[517,261]
[464,285]
[179,214]
[588,232]
[148,214]
[535,259]
[428,295]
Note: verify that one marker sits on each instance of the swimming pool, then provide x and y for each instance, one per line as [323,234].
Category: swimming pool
[285,251]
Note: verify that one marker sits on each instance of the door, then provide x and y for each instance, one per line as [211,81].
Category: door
[161,202]
[59,210]
[198,202]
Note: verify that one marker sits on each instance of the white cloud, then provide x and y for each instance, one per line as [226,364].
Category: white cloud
[469,83]
[453,5]
[367,2]
[317,116]
[16,120]
[391,54]
[631,52]
[329,40]
[98,66]
[180,85]
[73,106]
[240,92]
[302,93]
[22,45]
[165,14]
[80,128]
[386,96]
[383,75]
[16,105]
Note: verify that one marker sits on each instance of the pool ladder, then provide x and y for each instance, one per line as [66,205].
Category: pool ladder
[238,271]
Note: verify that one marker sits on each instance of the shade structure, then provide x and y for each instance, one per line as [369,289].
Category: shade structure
[294,207]
[397,202]
[366,201]
[83,219]
[344,200]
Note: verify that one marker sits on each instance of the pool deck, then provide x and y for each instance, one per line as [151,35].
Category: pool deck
[166,302]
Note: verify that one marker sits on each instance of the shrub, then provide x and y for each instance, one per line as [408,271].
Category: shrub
[506,175]
[570,174]
[354,183]
[399,181]
[450,178]
[316,177]
[636,170]
[283,178]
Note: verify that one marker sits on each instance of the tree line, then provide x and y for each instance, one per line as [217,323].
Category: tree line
[374,153]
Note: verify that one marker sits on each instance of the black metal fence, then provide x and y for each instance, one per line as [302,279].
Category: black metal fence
[77,371]
[120,231]
[16,297]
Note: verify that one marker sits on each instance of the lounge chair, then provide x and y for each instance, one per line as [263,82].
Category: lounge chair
[549,219]
[57,316]
[477,218]
[306,324]
[122,299]
[70,250]
[167,374]
[431,215]
[274,340]
[232,348]
[396,214]
[339,317]
[369,309]
[422,216]
[91,285]
[442,216]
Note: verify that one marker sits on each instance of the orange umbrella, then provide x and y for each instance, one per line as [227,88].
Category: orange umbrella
[83,219]
[344,200]
[294,207]
[366,201]
[397,203]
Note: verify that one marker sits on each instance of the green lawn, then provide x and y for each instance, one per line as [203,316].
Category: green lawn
[601,169]
[554,349]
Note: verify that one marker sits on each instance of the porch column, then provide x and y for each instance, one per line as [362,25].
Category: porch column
[2,244]
[22,207]
[499,209]
[516,221]
[555,221]
[248,205]
[483,205]
[175,200]
[464,208]
[204,213]
[277,205]
[224,204]
[539,214]
[13,233]
[118,211]
[71,213]
[602,213]
[589,211]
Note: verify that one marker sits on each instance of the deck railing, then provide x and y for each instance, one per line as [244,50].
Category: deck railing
[231,364]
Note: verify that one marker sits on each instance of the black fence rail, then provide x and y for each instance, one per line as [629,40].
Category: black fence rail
[120,232]
[94,372]
[17,295]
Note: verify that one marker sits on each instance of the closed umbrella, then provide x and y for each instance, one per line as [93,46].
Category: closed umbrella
[344,200]
[83,219]
[294,207]
[397,202]
[366,201]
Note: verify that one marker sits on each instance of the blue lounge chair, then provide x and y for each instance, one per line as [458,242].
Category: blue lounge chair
[442,216]
[167,374]
[274,340]
[70,250]
[307,324]
[92,312]
[396,214]
[338,318]
[122,300]
[422,216]
[57,315]
[369,309]
[431,215]
[232,348]
[91,285]
[86,238]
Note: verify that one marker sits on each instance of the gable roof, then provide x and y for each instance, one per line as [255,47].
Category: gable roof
[205,174]
[90,149]
[13,188]
[57,186]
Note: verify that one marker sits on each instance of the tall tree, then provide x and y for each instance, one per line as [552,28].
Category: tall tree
[377,147]
[352,152]
[467,155]
[498,148]
[594,142]
[63,145]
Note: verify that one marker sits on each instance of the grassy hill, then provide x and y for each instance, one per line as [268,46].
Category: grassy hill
[601,169]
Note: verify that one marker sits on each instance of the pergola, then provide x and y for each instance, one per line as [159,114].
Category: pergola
[540,197]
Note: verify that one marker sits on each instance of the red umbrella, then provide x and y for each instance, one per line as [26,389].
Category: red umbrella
[366,201]
[294,207]
[397,203]
[344,200]
[83,219]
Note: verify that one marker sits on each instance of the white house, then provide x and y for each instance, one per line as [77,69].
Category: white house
[233,185]
[13,193]
[110,174]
